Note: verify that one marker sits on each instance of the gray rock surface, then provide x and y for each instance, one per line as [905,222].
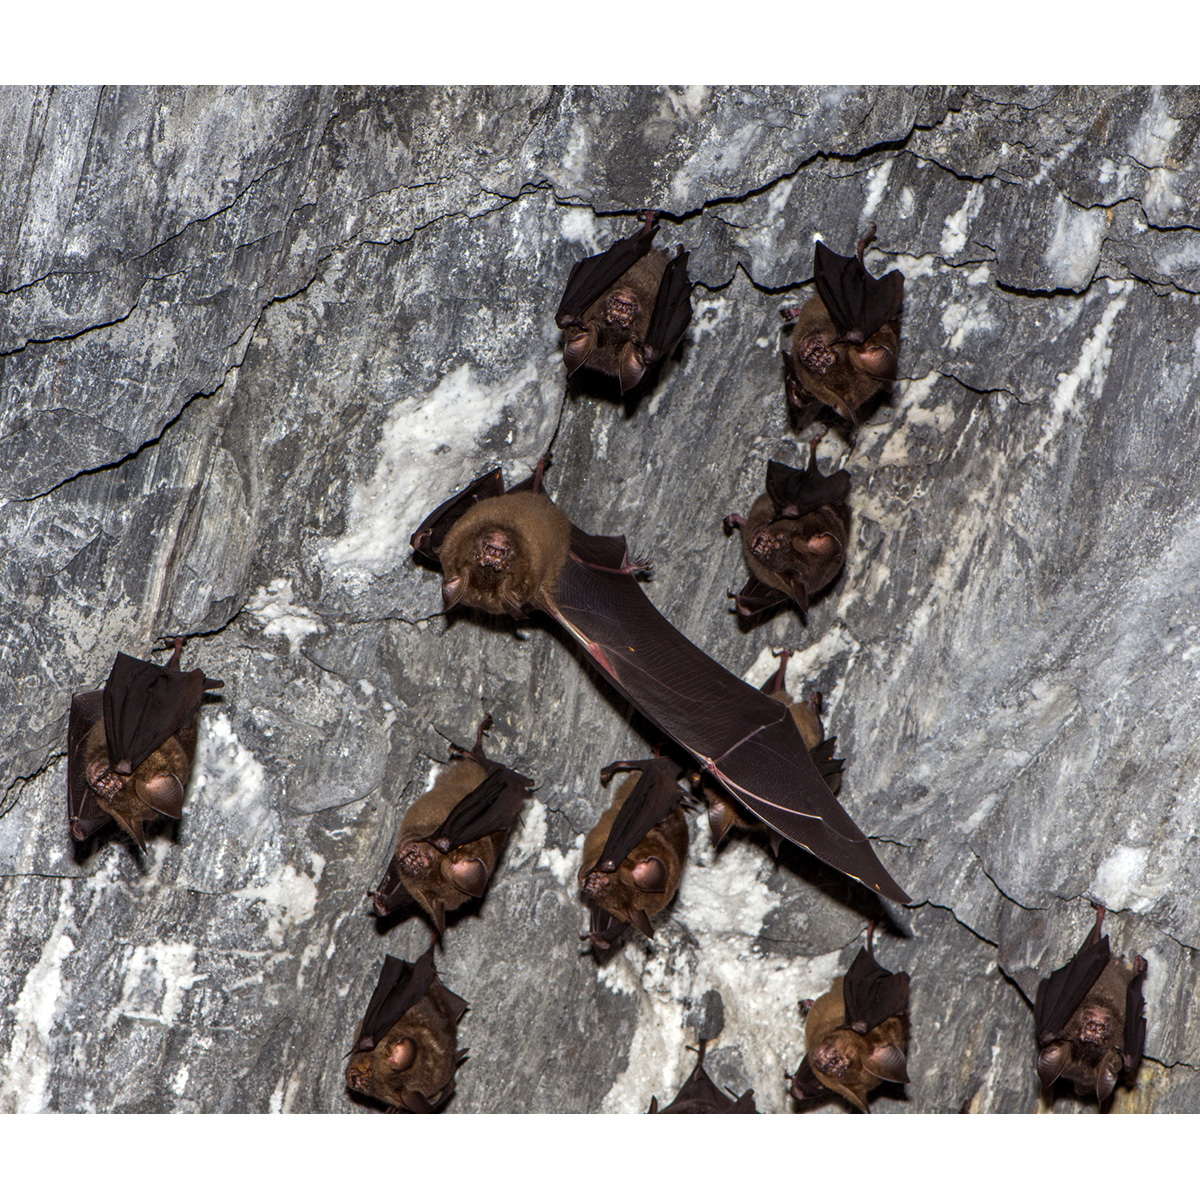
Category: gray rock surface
[248,338]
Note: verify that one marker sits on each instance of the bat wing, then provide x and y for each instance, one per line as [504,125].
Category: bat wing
[805,1085]
[758,597]
[855,299]
[401,984]
[494,805]
[432,532]
[604,928]
[83,813]
[746,740]
[700,1095]
[1065,990]
[672,309]
[591,277]
[1135,1020]
[805,490]
[650,803]
[829,766]
[144,704]
[872,994]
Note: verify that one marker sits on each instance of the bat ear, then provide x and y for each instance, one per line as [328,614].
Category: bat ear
[1051,1061]
[825,545]
[888,1062]
[403,1054]
[469,875]
[640,922]
[452,591]
[876,360]
[437,910]
[632,367]
[164,794]
[720,820]
[577,349]
[650,875]
[1106,1077]
[653,1104]
[133,827]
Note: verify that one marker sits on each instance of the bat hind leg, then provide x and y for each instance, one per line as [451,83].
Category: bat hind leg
[864,241]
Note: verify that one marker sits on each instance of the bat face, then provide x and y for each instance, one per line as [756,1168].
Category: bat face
[626,309]
[847,338]
[856,1035]
[452,835]
[130,746]
[794,538]
[745,741]
[1089,1018]
[631,872]
[504,553]
[406,1050]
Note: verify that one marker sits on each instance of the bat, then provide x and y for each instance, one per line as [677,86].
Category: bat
[513,552]
[794,539]
[625,309]
[633,858]
[452,835]
[130,746]
[856,1035]
[700,1095]
[406,1049]
[1090,1021]
[847,337]
[724,814]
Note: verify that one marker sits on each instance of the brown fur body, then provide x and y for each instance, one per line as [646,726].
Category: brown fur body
[154,790]
[610,334]
[618,892]
[412,1067]
[842,1058]
[505,552]
[797,557]
[838,373]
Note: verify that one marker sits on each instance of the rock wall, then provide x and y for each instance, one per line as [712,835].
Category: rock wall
[248,338]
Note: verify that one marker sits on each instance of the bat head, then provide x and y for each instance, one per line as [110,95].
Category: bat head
[853,1065]
[436,879]
[505,552]
[841,370]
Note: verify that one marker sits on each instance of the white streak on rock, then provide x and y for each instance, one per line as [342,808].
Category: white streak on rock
[1073,254]
[27,1063]
[954,235]
[160,972]
[1122,880]
[877,181]
[290,897]
[274,608]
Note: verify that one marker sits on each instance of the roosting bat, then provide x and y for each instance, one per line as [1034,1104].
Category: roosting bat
[1089,1019]
[406,1049]
[856,1035]
[130,745]
[794,539]
[724,814]
[452,835]
[700,1095]
[633,858]
[510,552]
[625,309]
[847,337]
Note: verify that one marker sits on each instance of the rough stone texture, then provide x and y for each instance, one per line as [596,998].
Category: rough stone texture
[249,337]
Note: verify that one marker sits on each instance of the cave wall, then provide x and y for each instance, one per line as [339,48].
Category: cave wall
[249,337]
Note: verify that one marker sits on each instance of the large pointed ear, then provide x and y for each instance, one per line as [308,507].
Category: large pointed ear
[888,1062]
[1106,1076]
[653,1104]
[720,819]
[1051,1061]
[640,922]
[469,875]
[650,875]
[632,366]
[437,910]
[577,350]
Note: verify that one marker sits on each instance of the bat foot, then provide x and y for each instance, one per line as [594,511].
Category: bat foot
[865,241]
[649,215]
[732,522]
[791,312]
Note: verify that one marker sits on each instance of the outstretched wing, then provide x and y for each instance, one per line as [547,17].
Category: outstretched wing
[744,739]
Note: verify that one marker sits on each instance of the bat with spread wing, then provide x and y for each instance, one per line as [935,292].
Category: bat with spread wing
[626,309]
[847,338]
[511,552]
[633,858]
[406,1050]
[452,835]
[1090,1020]
[130,745]
[700,1095]
[856,1035]
[724,814]
[794,539]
